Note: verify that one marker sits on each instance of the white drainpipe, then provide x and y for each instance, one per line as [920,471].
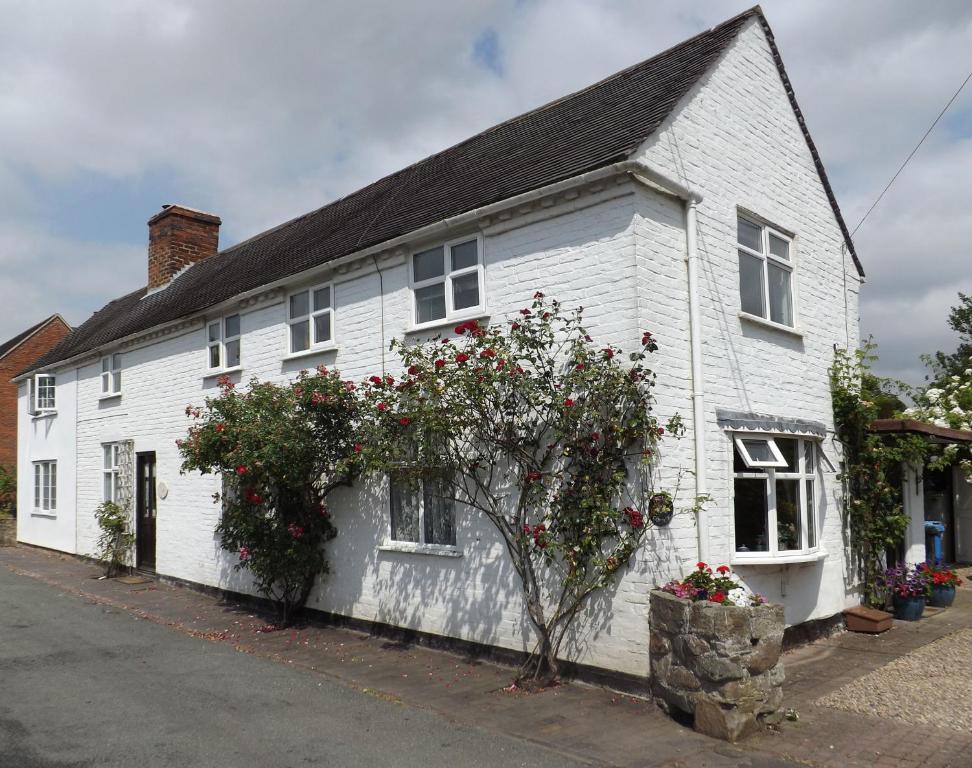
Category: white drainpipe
[698,391]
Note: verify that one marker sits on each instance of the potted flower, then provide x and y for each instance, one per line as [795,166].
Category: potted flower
[718,586]
[943,583]
[909,587]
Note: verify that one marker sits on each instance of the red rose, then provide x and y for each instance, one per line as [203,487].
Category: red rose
[322,369]
[525,312]
[244,554]
[357,447]
[404,421]
[220,427]
[568,403]
[382,407]
[538,295]
[515,327]
[660,431]
[462,357]
[295,530]
[375,379]
[546,315]
[488,352]
[608,353]
[646,339]
[635,518]
[240,470]
[579,366]
[439,363]
[500,365]
[413,370]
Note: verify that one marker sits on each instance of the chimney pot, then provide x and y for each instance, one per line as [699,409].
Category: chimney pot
[178,237]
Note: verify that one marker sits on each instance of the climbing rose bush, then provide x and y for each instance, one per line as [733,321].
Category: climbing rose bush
[546,433]
[947,404]
[281,450]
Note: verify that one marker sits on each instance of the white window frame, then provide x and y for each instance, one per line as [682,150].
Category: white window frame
[221,342]
[447,276]
[421,544]
[35,394]
[767,258]
[110,471]
[45,487]
[315,345]
[111,376]
[770,475]
[776,461]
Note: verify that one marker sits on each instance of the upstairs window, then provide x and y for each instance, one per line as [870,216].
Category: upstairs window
[45,486]
[447,280]
[43,393]
[765,272]
[111,375]
[422,515]
[310,318]
[223,339]
[774,495]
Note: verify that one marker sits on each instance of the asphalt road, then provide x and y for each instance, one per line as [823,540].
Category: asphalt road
[83,685]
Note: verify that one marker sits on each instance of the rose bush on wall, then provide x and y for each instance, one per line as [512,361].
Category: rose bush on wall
[280,451]
[548,435]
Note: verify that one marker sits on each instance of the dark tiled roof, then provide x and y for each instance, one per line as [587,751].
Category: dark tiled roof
[584,131]
[9,344]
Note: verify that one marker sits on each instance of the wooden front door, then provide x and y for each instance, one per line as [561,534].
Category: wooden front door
[145,510]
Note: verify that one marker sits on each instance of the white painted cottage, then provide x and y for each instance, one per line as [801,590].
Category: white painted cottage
[683,195]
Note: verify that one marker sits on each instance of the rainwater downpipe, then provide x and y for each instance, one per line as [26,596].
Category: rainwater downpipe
[698,391]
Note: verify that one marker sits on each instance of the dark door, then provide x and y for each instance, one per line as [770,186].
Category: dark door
[939,502]
[145,510]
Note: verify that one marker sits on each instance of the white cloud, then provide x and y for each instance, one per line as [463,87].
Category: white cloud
[263,111]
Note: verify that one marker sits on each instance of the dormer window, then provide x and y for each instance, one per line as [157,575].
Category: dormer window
[447,281]
[223,340]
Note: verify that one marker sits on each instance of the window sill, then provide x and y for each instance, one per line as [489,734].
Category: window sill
[478,314]
[765,559]
[112,396]
[757,320]
[44,415]
[420,549]
[42,513]
[222,372]
[319,350]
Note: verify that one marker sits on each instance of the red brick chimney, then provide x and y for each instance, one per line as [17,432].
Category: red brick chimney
[179,237]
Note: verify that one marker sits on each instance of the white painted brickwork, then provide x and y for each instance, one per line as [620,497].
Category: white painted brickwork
[620,253]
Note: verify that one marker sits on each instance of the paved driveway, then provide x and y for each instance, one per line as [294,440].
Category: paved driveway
[83,685]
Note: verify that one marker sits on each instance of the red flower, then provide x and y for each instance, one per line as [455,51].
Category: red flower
[646,339]
[723,569]
[635,518]
[546,315]
[500,365]
[295,530]
[538,295]
[357,447]
[240,470]
[440,363]
[462,357]
[382,407]
[608,353]
[660,431]
[389,380]
[718,597]
[525,312]
[568,403]
[701,566]
[404,421]
[579,366]
[375,379]
[488,352]
[470,325]
[244,554]
[413,370]
[322,370]
[515,327]
[253,497]
[595,435]
[220,427]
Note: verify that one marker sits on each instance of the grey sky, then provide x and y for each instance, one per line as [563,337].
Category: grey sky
[262,111]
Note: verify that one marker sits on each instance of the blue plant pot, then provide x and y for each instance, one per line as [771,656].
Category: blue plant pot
[908,608]
[942,596]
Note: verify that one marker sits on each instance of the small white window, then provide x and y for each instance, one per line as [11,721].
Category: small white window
[422,515]
[43,394]
[765,272]
[447,280]
[310,318]
[45,486]
[223,343]
[110,472]
[111,375]
[774,501]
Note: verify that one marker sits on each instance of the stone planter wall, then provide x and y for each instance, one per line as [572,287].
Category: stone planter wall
[720,664]
[8,531]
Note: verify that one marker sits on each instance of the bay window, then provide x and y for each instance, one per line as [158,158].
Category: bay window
[446,281]
[765,271]
[775,496]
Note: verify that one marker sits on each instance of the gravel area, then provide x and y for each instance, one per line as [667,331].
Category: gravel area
[929,686]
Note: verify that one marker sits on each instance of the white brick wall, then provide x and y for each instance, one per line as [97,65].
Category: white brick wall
[620,253]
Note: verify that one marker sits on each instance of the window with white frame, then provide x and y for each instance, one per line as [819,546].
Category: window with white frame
[774,495]
[223,340]
[111,375]
[310,318]
[45,486]
[422,514]
[765,271]
[43,393]
[110,472]
[447,280]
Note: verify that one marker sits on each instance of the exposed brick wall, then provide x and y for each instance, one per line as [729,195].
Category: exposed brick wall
[178,237]
[10,365]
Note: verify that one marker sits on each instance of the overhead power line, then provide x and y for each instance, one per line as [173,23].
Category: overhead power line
[912,154]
